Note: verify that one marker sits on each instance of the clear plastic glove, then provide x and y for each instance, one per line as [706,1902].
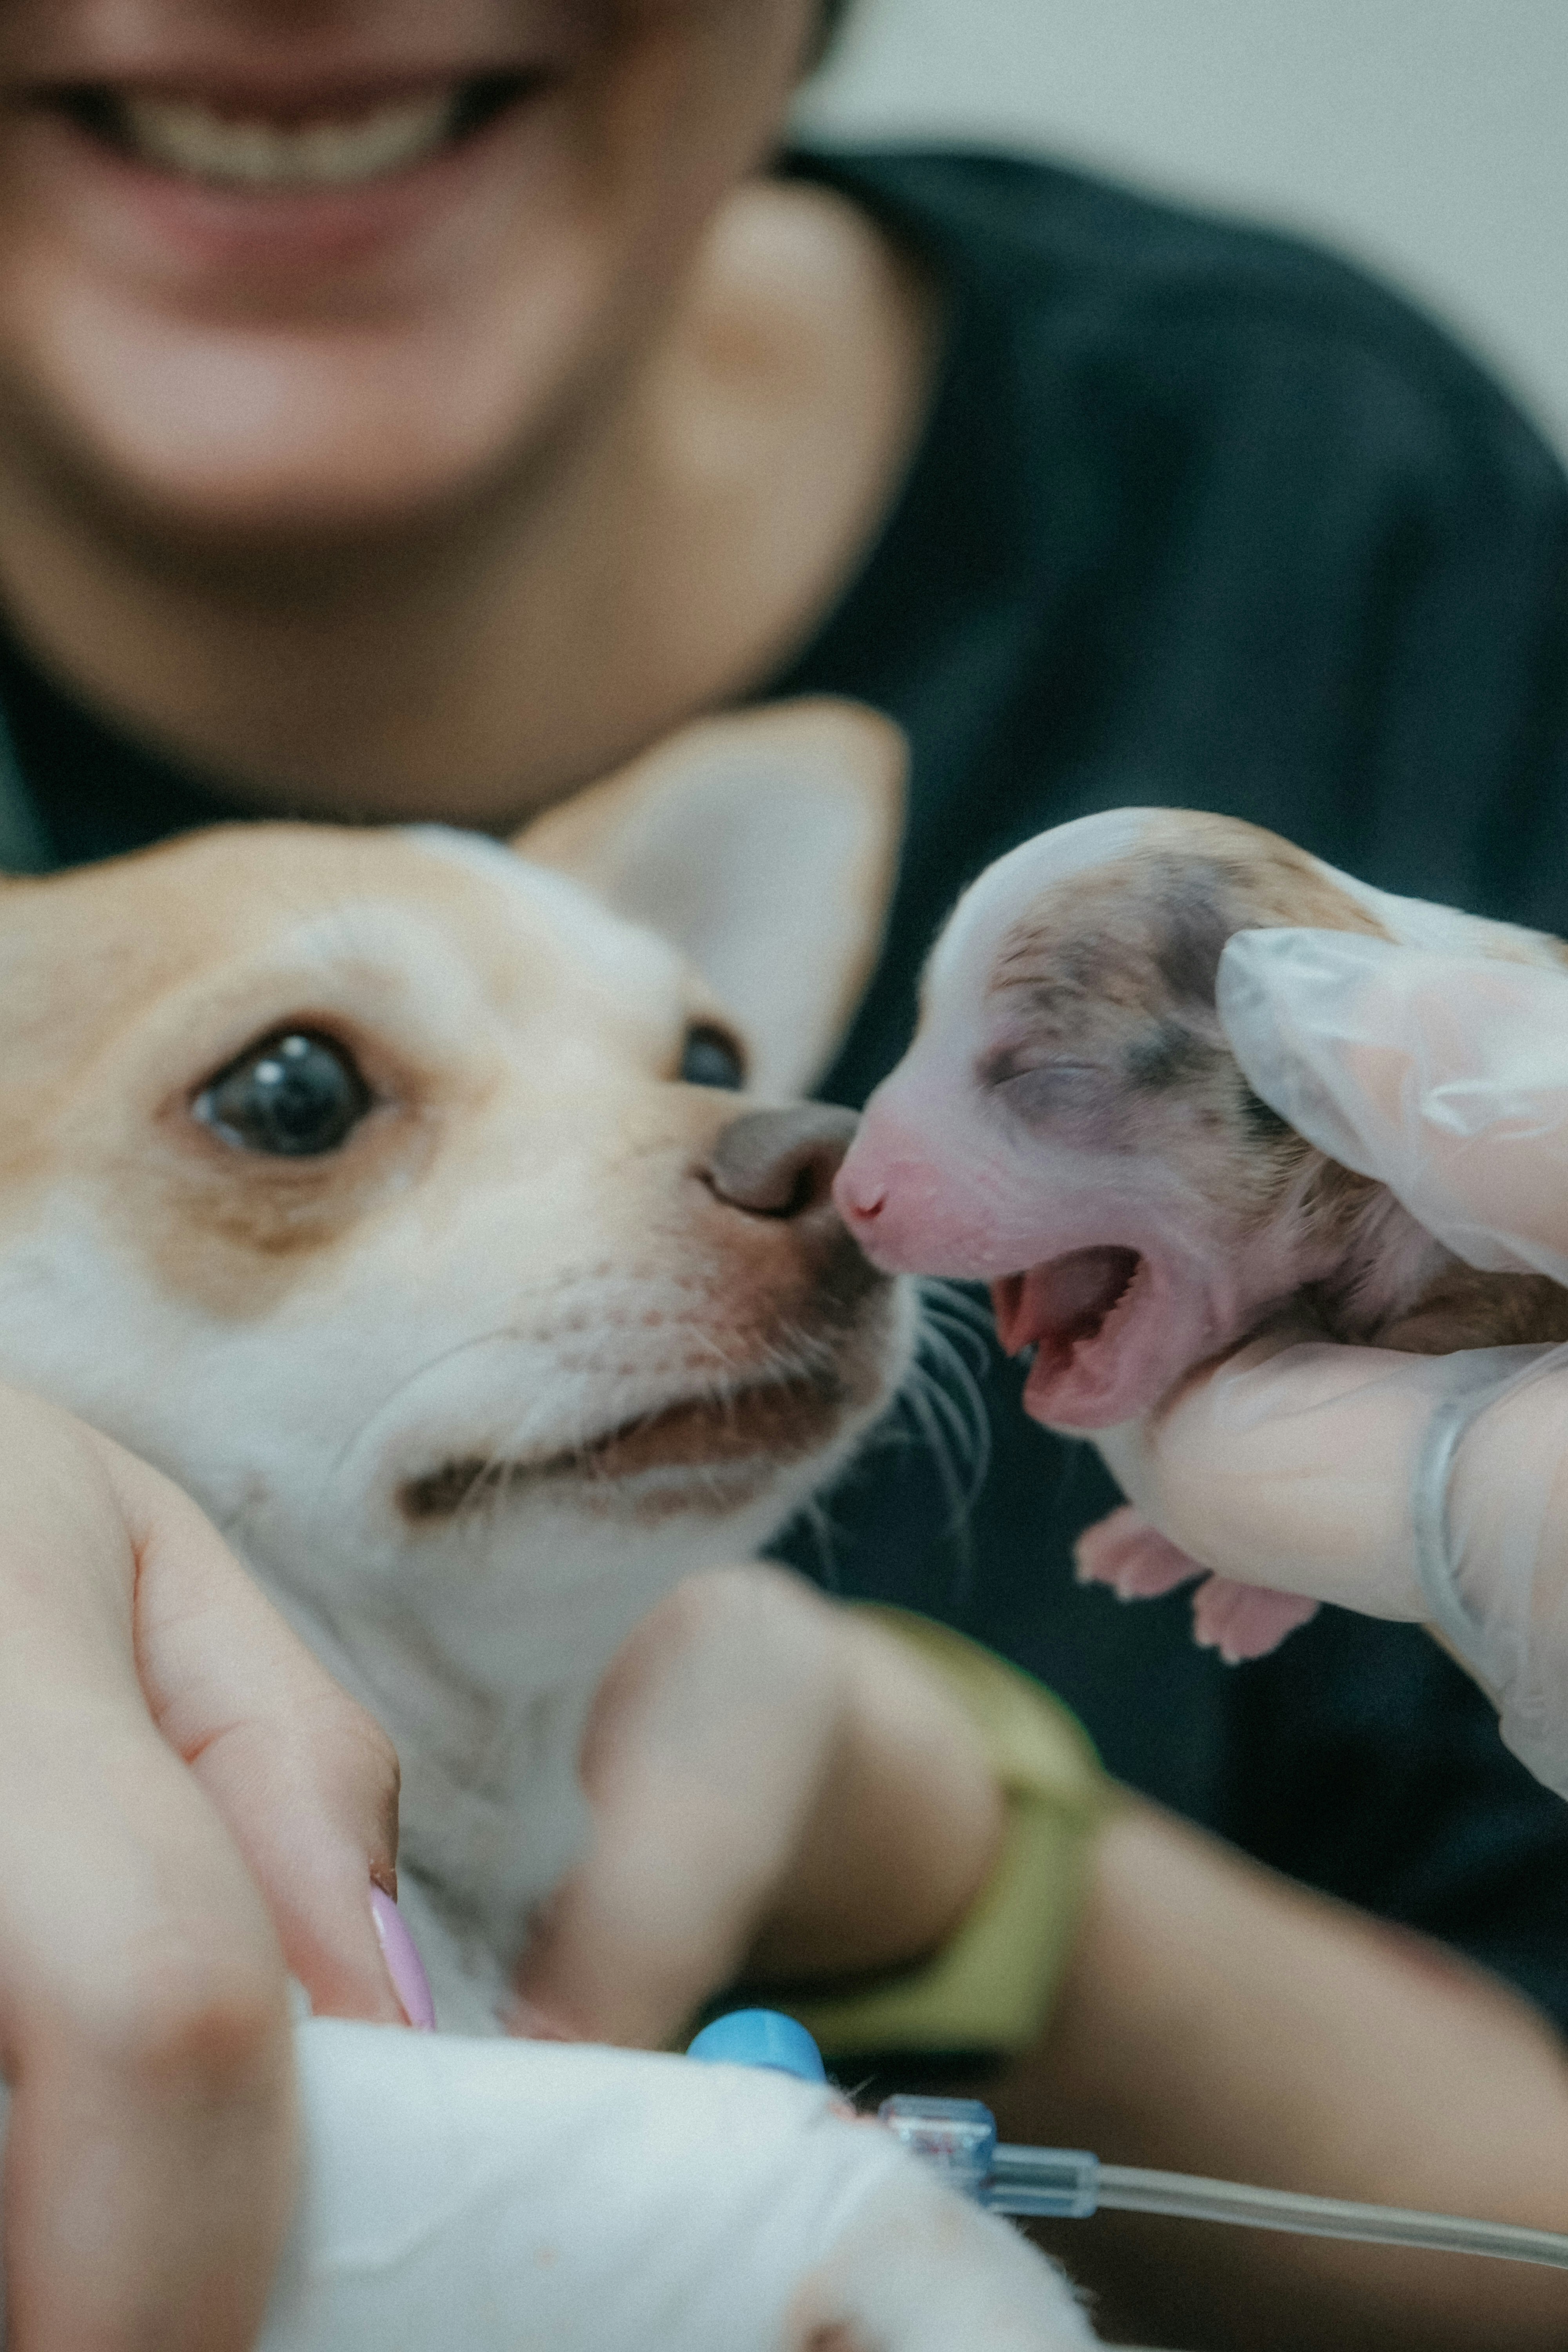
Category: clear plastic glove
[1446,1076]
[1425,1487]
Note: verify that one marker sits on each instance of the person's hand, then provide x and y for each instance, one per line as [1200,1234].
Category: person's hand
[190,1811]
[1425,1487]
[779,1790]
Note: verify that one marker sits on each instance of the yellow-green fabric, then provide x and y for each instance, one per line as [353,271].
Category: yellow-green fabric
[991,1986]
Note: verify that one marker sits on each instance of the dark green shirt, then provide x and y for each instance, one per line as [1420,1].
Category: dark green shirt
[1202,519]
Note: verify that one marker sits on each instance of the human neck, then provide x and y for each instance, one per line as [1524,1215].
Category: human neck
[663,558]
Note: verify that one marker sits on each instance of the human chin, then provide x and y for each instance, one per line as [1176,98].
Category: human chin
[282,430]
[261,309]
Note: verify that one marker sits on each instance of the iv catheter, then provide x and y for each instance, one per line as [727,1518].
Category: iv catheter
[959,2136]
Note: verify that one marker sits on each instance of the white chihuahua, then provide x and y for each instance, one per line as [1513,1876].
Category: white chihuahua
[445,1230]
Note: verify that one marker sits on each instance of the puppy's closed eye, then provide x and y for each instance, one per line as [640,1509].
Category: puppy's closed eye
[294,1097]
[1073,1098]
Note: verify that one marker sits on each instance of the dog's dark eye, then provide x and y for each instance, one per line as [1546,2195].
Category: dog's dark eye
[296,1097]
[712,1058]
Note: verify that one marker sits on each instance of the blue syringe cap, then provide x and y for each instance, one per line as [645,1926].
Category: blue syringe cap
[760,2037]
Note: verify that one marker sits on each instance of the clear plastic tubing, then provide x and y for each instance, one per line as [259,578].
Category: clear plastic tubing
[1067,2183]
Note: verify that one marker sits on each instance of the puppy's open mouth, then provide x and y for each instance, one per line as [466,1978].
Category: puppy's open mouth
[1081,1313]
[720,1447]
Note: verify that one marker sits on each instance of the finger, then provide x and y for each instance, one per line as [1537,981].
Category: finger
[304,1777]
[779,1789]
[150,2159]
[702,1763]
[1292,1465]
[1446,1076]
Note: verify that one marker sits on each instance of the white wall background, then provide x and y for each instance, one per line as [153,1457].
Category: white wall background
[1428,137]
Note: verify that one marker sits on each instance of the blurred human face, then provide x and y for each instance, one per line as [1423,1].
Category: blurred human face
[319,266]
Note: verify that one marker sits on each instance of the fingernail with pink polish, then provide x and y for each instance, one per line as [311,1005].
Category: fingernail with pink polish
[403,1965]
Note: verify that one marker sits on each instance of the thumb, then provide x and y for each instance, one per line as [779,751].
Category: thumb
[1292,1464]
[305,1780]
[702,1763]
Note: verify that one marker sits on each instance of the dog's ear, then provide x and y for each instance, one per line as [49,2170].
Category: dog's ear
[764,845]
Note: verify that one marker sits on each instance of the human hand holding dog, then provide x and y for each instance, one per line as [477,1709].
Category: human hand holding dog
[779,1791]
[192,1809]
[160,1731]
[1404,1485]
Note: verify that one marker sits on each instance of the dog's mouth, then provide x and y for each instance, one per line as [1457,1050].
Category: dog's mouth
[719,1448]
[1101,1346]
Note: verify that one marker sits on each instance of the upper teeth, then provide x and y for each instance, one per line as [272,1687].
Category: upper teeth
[189,137]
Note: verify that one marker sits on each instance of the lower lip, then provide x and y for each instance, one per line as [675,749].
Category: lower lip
[206,224]
[769,1425]
[781,1420]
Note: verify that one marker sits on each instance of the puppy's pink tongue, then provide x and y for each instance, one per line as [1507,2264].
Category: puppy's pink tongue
[1062,1310]
[1066,1299]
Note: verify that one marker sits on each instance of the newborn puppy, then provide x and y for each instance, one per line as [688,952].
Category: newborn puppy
[1070,1126]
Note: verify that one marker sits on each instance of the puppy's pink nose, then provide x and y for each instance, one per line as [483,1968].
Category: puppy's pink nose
[857,1196]
[859,1192]
[781,1163]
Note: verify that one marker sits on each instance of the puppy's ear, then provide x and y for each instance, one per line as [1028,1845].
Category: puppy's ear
[764,845]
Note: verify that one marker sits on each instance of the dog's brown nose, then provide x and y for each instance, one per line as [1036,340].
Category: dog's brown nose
[781,1163]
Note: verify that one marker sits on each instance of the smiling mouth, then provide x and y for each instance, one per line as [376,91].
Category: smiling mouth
[242,146]
[718,1449]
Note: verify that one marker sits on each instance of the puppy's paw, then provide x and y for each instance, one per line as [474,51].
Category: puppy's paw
[1245,1621]
[1240,1621]
[1125,1552]
[920,2269]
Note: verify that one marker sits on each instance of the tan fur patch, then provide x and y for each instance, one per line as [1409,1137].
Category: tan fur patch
[509,1064]
[1106,932]
[129,984]
[1465,1308]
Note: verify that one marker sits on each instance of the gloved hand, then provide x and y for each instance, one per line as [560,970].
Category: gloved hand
[1425,1487]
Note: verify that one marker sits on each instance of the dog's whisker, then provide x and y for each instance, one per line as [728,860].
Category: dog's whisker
[916,1402]
[963,1322]
[957,1302]
[955,1389]
[952,1435]
[400,1389]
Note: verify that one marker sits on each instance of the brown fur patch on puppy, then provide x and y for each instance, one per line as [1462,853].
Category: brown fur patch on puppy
[1124,960]
[1118,965]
